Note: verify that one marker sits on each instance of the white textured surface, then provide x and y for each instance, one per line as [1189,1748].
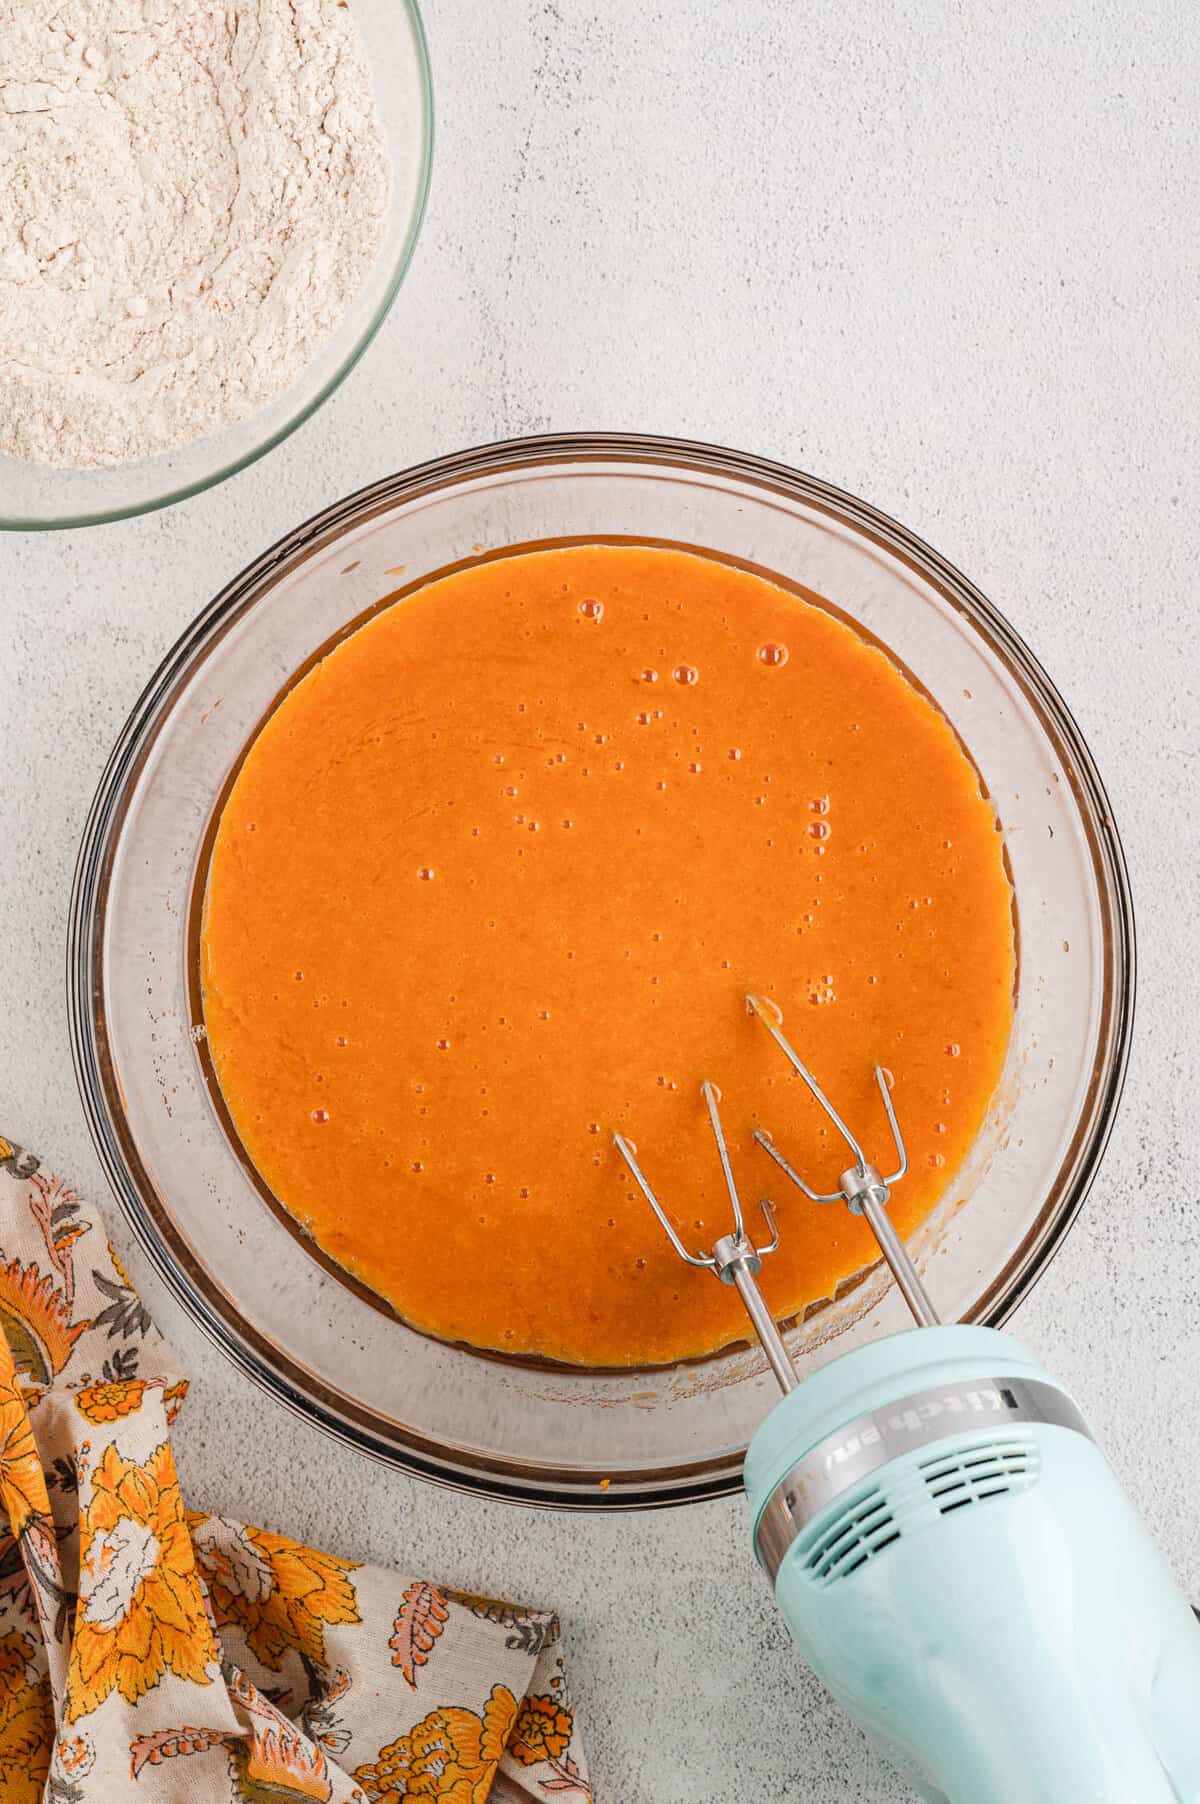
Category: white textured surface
[945,256]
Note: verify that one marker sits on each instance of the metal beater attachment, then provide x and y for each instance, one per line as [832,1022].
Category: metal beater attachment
[734,1258]
[861,1187]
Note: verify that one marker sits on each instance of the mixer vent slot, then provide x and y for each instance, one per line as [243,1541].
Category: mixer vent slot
[991,1467]
[863,1527]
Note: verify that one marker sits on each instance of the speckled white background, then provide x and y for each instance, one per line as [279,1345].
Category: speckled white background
[944,255]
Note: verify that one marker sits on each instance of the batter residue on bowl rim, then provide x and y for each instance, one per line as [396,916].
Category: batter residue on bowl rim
[493,880]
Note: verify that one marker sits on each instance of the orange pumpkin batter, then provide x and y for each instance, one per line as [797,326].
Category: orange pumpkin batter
[494,879]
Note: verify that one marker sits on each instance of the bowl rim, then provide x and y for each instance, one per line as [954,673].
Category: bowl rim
[85,999]
[104,516]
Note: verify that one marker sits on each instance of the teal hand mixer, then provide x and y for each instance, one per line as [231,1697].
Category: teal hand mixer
[952,1553]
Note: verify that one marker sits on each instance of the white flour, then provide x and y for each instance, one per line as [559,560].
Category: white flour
[191,194]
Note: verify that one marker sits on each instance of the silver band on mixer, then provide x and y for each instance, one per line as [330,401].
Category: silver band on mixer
[843,1460]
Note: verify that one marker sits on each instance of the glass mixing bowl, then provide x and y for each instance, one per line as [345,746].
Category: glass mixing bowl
[511,1426]
[34,496]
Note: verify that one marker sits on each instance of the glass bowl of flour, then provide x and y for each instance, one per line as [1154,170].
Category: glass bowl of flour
[206,215]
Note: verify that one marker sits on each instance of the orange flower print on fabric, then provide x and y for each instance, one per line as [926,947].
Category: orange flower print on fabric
[26,1723]
[141,1611]
[281,1594]
[21,1480]
[108,1402]
[75,1756]
[23,1494]
[451,1755]
[499,1715]
[35,1320]
[543,1731]
[278,1765]
[173,1397]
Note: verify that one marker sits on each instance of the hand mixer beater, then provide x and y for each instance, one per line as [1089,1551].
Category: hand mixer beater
[952,1553]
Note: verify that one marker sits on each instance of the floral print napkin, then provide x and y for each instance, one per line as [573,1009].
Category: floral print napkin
[155,1653]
